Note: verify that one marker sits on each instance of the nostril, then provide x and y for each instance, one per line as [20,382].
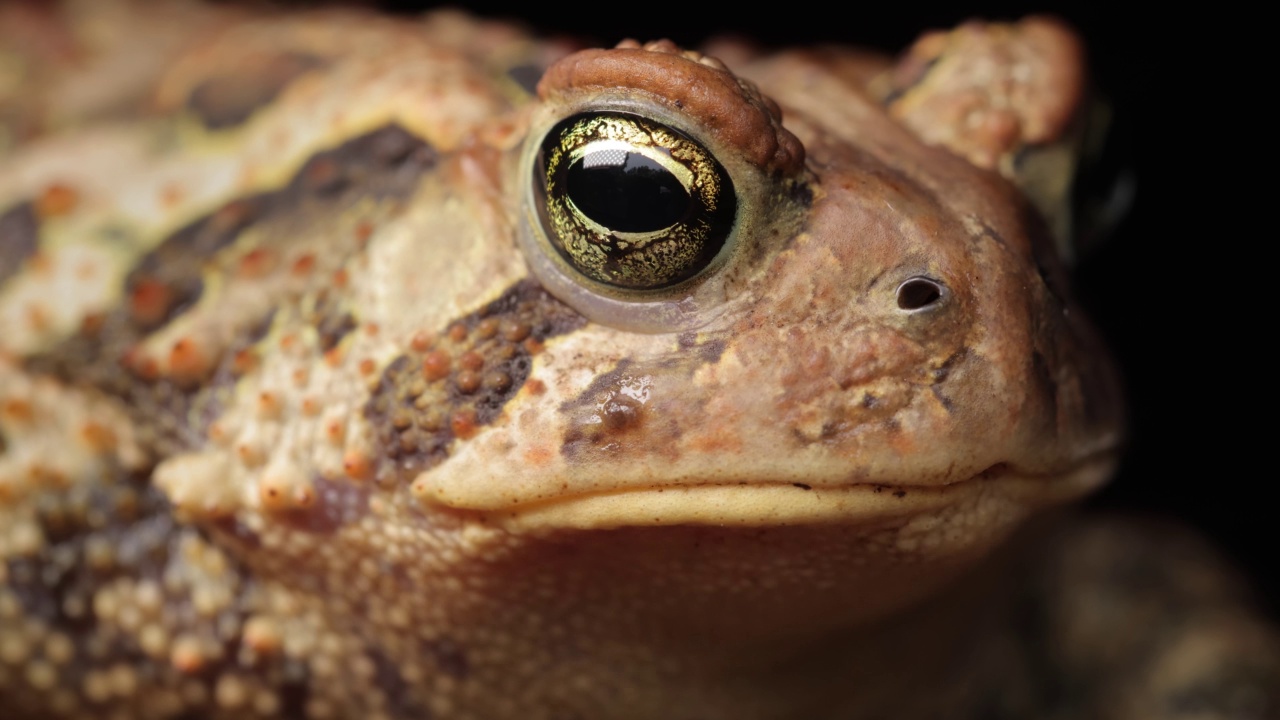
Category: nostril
[918,292]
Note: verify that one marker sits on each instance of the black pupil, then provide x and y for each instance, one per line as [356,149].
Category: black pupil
[626,192]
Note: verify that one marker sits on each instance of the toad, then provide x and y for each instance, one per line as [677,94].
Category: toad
[356,367]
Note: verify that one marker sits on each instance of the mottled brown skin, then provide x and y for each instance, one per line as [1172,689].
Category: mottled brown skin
[298,418]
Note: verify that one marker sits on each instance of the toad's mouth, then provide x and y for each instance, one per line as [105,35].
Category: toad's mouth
[998,490]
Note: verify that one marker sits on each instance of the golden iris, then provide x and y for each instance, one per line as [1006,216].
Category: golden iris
[631,202]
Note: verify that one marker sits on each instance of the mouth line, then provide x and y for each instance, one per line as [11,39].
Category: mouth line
[765,504]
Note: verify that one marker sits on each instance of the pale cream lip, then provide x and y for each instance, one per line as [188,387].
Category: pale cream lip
[749,504]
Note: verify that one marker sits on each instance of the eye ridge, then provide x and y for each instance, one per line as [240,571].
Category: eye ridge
[630,202]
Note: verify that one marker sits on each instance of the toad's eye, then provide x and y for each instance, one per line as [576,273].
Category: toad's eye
[630,202]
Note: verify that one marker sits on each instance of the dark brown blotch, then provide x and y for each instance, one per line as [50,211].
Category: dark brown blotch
[359,168]
[800,193]
[452,383]
[708,350]
[169,279]
[384,166]
[225,101]
[943,371]
[324,176]
[526,76]
[19,238]
[332,324]
[403,698]
[120,515]
[947,403]
[104,535]
[450,656]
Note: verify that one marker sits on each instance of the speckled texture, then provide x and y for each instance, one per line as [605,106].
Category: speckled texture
[299,418]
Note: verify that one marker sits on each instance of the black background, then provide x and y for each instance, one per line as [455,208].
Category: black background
[1165,286]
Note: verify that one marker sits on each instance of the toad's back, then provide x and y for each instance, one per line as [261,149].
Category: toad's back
[342,374]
